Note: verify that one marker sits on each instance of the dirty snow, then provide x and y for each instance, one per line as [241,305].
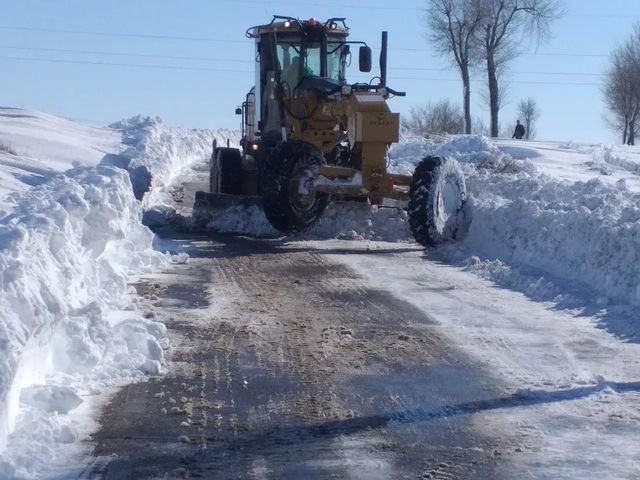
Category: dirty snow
[352,220]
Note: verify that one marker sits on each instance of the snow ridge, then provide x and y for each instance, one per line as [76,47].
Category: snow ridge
[157,153]
[578,231]
[584,231]
[66,254]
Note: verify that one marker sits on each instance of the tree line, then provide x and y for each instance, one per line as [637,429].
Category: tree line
[622,88]
[484,35]
[444,117]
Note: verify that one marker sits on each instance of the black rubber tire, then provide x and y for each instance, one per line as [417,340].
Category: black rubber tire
[284,207]
[438,211]
[226,171]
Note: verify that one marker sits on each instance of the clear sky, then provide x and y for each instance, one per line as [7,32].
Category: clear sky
[188,61]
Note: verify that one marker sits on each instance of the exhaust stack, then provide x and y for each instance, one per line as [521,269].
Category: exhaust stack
[383,60]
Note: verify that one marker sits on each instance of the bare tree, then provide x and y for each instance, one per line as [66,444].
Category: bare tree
[480,127]
[417,119]
[435,118]
[622,88]
[504,89]
[452,27]
[505,21]
[529,113]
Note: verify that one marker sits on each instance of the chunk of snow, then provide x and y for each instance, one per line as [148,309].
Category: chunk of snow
[50,398]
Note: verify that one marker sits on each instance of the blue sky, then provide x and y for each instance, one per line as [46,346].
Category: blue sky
[563,75]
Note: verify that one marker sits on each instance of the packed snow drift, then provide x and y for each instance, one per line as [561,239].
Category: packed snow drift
[67,253]
[581,228]
[71,240]
[35,146]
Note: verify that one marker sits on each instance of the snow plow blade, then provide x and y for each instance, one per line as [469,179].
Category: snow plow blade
[207,204]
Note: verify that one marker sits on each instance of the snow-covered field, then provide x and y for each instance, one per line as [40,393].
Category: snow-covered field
[556,226]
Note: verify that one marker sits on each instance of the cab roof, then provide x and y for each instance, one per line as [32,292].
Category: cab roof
[283,24]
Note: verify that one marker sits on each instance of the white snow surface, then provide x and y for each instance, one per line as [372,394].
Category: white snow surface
[34,146]
[66,255]
[533,208]
[71,241]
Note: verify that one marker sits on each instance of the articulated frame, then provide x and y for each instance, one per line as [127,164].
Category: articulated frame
[370,128]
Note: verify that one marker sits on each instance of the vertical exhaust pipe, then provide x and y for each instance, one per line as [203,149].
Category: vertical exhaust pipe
[383,60]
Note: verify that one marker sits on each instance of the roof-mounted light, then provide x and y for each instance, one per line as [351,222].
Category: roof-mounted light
[287,24]
[333,26]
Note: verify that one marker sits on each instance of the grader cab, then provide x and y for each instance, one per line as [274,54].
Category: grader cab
[309,136]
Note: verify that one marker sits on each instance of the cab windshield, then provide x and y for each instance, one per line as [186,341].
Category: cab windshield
[298,61]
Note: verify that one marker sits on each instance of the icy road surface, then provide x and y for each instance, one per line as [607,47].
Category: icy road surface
[285,364]
[367,360]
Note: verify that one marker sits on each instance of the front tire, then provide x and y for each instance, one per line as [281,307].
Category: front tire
[438,210]
[286,205]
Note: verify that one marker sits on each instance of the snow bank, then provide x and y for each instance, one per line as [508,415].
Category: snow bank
[156,153]
[66,254]
[71,239]
[574,231]
[587,232]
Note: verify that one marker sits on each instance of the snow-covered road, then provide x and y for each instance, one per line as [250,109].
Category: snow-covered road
[368,360]
[575,388]
[285,364]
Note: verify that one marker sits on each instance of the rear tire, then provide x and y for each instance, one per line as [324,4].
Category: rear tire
[438,211]
[287,209]
[225,174]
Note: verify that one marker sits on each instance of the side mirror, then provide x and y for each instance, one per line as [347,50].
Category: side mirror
[238,111]
[365,59]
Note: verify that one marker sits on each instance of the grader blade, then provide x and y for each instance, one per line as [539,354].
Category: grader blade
[208,205]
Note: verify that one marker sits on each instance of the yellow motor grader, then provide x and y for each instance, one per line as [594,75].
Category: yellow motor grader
[309,137]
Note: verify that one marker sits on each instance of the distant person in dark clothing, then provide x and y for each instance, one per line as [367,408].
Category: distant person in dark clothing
[519,133]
